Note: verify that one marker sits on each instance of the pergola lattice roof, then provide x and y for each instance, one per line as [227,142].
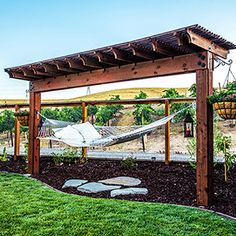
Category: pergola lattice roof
[187,40]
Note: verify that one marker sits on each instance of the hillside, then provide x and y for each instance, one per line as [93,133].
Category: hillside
[124,94]
[128,93]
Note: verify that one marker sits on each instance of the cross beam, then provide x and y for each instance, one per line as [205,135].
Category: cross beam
[167,66]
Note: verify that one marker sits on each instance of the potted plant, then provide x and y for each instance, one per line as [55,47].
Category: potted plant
[224,101]
[22,117]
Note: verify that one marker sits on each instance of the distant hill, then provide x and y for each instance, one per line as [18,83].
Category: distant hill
[124,94]
[127,93]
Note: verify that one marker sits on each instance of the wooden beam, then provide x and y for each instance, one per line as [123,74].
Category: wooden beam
[48,68]
[76,64]
[63,66]
[17,75]
[204,81]
[102,102]
[167,133]
[37,71]
[17,135]
[142,52]
[30,74]
[107,59]
[123,55]
[167,66]
[90,61]
[195,39]
[34,142]
[162,48]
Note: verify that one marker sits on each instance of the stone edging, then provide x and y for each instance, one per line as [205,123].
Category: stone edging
[185,206]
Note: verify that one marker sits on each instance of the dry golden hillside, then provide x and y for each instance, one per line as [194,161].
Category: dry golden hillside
[128,93]
[124,94]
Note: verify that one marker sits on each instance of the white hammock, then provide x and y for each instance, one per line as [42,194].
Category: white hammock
[87,135]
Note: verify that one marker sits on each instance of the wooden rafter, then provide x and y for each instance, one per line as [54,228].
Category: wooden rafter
[63,66]
[194,41]
[162,48]
[76,64]
[41,72]
[123,55]
[106,59]
[29,73]
[142,52]
[166,66]
[90,61]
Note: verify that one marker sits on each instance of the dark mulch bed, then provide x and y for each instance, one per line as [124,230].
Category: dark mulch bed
[169,184]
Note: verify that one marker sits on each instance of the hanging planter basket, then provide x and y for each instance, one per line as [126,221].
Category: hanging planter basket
[23,117]
[226,109]
[224,101]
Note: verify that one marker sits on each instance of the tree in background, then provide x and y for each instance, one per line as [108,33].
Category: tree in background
[106,113]
[7,121]
[72,114]
[92,110]
[173,93]
[193,90]
[143,112]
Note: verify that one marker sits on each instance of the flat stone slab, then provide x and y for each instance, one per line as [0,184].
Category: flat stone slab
[122,180]
[94,187]
[128,191]
[74,183]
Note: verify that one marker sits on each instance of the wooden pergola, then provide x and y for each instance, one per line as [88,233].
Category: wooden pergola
[190,49]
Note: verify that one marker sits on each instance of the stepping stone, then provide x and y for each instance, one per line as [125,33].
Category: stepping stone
[94,187]
[122,180]
[128,191]
[74,183]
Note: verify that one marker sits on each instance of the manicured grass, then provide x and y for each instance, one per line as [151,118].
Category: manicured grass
[29,208]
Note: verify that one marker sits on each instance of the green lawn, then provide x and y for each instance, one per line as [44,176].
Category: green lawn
[29,208]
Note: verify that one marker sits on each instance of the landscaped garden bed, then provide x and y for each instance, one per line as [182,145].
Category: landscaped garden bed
[168,184]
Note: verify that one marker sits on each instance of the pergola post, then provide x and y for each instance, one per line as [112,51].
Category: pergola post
[34,142]
[84,119]
[17,135]
[167,133]
[204,81]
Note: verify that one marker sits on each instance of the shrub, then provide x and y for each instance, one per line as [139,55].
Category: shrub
[129,163]
[68,156]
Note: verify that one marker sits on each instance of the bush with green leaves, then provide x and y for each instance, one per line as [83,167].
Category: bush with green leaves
[129,163]
[143,112]
[71,114]
[106,113]
[7,121]
[68,156]
[4,155]
[222,144]
[174,107]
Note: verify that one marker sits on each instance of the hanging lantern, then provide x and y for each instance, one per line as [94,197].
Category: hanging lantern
[188,126]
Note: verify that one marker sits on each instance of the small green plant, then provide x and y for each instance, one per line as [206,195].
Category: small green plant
[129,163]
[224,145]
[68,156]
[22,113]
[4,155]
[26,150]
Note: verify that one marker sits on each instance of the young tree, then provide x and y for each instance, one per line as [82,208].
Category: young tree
[173,93]
[92,110]
[106,113]
[7,121]
[143,112]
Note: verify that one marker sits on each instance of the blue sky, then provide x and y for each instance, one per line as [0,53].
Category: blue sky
[32,30]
